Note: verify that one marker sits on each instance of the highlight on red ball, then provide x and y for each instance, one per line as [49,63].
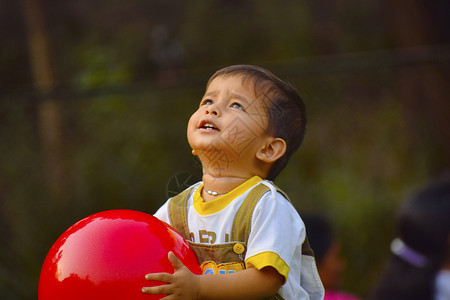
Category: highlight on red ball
[107,255]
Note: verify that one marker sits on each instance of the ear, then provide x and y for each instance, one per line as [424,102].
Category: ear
[272,150]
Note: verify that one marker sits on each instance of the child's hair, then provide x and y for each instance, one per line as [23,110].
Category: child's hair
[285,108]
[421,248]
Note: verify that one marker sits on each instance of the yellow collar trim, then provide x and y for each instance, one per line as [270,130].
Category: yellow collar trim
[216,205]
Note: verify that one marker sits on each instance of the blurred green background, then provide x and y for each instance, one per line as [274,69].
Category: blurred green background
[95,97]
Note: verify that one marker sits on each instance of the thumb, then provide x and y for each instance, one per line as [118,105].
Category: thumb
[176,263]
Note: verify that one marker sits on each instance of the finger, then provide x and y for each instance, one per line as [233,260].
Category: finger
[164,277]
[164,289]
[176,263]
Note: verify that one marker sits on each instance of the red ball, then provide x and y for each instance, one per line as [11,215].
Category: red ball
[106,256]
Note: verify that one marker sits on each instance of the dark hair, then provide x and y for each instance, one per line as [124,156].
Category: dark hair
[285,108]
[320,235]
[423,226]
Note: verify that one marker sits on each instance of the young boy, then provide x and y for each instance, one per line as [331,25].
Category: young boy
[249,239]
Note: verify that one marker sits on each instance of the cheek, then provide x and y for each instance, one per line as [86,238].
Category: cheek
[192,125]
[193,119]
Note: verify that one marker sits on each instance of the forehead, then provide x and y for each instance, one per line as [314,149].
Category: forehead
[233,82]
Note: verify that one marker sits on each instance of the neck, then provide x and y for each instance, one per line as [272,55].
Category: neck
[223,175]
[220,185]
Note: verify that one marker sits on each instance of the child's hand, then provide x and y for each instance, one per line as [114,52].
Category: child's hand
[182,284]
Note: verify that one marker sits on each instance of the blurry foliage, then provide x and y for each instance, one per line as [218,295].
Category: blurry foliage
[130,73]
[99,68]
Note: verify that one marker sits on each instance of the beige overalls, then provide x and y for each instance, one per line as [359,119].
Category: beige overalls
[226,257]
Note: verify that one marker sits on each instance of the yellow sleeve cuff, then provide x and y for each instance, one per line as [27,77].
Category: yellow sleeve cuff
[269,259]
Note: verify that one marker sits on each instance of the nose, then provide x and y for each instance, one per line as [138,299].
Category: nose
[212,109]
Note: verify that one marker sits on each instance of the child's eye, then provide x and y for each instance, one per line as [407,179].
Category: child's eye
[236,105]
[206,102]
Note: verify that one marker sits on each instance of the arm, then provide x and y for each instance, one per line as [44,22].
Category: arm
[247,284]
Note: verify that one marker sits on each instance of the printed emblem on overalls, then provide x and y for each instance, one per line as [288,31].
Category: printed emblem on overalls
[210,267]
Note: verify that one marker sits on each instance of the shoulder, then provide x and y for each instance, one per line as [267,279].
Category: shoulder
[163,211]
[275,205]
[274,197]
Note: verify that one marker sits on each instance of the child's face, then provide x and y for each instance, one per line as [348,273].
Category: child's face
[230,118]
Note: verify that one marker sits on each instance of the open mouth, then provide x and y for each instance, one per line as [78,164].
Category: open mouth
[208,125]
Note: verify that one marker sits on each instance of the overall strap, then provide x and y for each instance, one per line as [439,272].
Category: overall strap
[178,212]
[306,248]
[243,218]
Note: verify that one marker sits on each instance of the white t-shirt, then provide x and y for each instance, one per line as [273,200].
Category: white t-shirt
[277,233]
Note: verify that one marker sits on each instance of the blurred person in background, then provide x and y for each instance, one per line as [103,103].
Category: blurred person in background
[419,265]
[327,251]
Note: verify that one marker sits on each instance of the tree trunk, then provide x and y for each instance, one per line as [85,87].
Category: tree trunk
[422,87]
[50,119]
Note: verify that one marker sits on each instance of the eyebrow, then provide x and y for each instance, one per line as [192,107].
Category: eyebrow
[213,93]
[234,95]
[240,97]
